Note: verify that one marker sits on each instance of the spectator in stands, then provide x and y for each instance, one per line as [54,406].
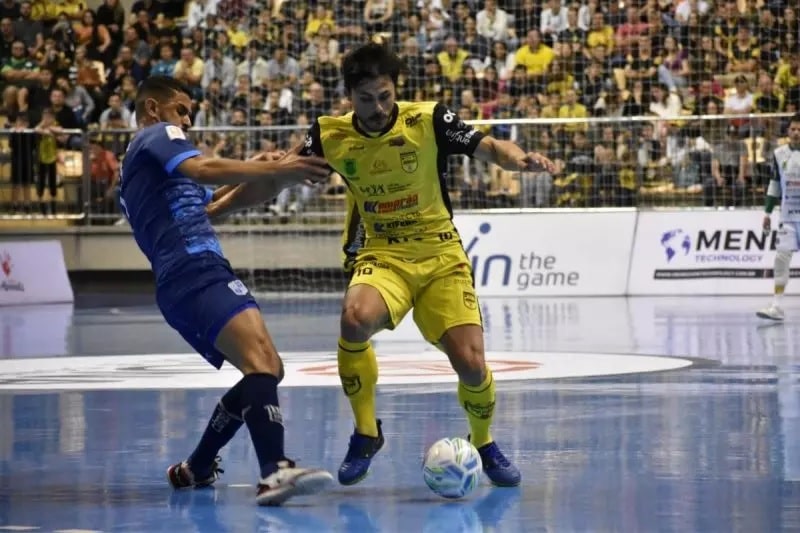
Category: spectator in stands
[503,61]
[104,174]
[254,65]
[536,57]
[601,34]
[199,12]
[476,45]
[9,9]
[492,23]
[674,68]
[552,21]
[19,69]
[572,108]
[727,26]
[571,33]
[685,8]
[115,107]
[728,172]
[47,151]
[642,64]
[111,14]
[95,37]
[592,87]
[628,34]
[23,149]
[165,65]
[740,102]
[220,68]
[377,14]
[452,59]
[37,96]
[189,70]
[77,98]
[743,54]
[65,118]
[283,69]
[27,30]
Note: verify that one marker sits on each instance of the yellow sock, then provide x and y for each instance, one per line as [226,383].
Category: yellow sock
[478,402]
[358,371]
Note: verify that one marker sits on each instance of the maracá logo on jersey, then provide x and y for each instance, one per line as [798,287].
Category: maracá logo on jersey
[391,206]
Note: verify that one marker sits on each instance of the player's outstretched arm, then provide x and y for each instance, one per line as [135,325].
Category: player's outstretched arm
[230,199]
[509,156]
[290,169]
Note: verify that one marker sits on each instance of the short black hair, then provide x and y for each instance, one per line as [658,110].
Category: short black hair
[158,88]
[369,62]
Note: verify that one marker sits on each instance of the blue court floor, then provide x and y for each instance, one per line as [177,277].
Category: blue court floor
[668,414]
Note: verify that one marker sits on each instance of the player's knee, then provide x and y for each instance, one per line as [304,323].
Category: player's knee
[357,322]
[469,363]
[262,359]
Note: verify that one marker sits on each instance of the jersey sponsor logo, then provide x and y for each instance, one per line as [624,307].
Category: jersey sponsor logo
[409,162]
[379,166]
[413,120]
[309,141]
[373,190]
[175,133]
[393,188]
[401,204]
[337,136]
[460,136]
[383,227]
[237,287]
[356,147]
[350,167]
[397,141]
[449,117]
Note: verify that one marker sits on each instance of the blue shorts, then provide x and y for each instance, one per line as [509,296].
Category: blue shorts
[198,310]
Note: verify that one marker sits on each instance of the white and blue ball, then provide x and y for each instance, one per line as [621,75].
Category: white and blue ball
[452,468]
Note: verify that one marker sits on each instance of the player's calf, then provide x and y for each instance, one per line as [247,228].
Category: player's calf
[476,394]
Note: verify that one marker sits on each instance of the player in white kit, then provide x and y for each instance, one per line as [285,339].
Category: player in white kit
[784,188]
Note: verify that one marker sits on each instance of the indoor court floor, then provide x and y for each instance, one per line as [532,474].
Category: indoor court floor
[641,414]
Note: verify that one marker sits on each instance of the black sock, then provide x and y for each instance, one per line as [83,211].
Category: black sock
[263,417]
[225,422]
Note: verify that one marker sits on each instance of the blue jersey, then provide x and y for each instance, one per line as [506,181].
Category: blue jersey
[166,210]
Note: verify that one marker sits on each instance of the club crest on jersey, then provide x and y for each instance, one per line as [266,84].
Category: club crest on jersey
[174,132]
[409,161]
[350,166]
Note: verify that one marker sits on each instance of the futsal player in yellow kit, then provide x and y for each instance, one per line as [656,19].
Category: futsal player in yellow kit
[404,251]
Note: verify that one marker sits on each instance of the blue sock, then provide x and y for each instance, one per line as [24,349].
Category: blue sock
[225,422]
[262,414]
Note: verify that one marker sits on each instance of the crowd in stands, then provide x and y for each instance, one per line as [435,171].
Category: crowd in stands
[275,63]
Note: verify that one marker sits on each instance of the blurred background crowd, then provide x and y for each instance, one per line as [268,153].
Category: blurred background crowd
[646,68]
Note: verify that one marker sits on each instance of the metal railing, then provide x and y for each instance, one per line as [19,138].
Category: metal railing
[711,161]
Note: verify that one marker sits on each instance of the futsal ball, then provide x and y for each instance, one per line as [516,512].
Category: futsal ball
[452,468]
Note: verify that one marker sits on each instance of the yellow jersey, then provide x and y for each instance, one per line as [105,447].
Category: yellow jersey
[396,179]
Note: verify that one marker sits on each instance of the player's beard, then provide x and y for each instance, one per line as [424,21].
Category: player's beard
[376,122]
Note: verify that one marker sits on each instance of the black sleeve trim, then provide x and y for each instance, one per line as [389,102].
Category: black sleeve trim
[453,135]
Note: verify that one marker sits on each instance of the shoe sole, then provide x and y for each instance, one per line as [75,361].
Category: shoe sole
[355,481]
[759,314]
[304,484]
[200,485]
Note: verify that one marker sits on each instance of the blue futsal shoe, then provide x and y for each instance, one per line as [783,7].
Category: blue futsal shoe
[362,449]
[497,468]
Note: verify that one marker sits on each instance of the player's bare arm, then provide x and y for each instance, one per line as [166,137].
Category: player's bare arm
[509,156]
[246,195]
[290,169]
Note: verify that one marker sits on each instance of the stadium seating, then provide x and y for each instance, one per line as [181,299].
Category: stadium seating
[275,63]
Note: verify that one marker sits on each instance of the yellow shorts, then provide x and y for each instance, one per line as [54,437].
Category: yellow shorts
[439,288]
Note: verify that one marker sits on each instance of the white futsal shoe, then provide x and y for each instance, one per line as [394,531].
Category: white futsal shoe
[773,312]
[289,481]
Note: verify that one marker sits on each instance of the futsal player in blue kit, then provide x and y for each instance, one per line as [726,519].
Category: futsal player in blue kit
[164,197]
